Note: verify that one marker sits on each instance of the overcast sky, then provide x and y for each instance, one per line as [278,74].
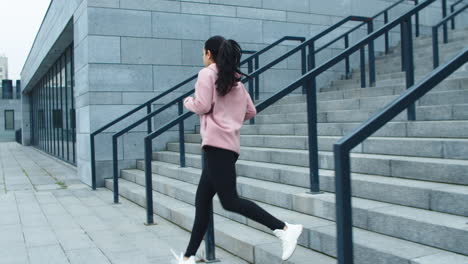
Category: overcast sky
[19,22]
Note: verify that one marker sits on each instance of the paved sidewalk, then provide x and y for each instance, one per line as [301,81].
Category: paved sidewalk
[48,216]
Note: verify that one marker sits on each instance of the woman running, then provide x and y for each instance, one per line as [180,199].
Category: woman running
[223,104]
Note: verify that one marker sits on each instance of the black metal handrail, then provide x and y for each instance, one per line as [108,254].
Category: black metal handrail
[310,76]
[148,103]
[178,100]
[311,62]
[313,144]
[452,9]
[435,34]
[405,20]
[342,148]
[385,14]
[179,120]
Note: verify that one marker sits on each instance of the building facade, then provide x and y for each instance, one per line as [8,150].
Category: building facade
[94,60]
[10,109]
[3,68]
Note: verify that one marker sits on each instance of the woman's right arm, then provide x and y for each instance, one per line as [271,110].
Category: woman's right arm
[251,110]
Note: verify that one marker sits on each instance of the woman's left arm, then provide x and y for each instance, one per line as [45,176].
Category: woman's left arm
[204,86]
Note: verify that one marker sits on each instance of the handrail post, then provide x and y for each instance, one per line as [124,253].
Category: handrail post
[251,83]
[148,124]
[387,45]
[416,18]
[257,79]
[311,96]
[370,29]
[402,46]
[209,234]
[115,167]
[452,21]
[362,53]
[344,220]
[304,67]
[435,47]
[93,162]
[181,136]
[347,71]
[148,181]
[411,111]
[444,14]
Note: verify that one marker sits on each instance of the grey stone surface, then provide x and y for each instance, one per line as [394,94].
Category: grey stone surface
[236,29]
[151,51]
[109,77]
[250,3]
[119,22]
[289,5]
[47,254]
[208,9]
[180,26]
[87,256]
[104,49]
[104,3]
[264,14]
[153,5]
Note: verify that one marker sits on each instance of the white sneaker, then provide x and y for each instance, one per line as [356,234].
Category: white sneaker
[180,259]
[288,238]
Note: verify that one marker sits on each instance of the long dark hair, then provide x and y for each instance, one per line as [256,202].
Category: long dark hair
[226,55]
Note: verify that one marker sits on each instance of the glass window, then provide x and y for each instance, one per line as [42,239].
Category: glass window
[53,121]
[57,118]
[9,120]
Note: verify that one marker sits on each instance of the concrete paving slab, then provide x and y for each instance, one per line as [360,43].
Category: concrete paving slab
[43,220]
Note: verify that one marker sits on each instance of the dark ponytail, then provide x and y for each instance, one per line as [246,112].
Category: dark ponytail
[226,55]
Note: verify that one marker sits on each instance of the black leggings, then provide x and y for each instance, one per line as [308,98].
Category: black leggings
[219,176]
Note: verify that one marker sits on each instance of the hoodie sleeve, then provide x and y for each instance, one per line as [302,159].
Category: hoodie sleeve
[204,87]
[251,110]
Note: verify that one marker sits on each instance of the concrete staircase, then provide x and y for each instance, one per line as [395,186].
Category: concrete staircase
[410,179]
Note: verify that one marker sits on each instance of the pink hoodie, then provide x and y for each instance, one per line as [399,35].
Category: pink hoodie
[220,117]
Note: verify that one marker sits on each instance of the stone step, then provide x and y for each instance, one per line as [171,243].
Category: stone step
[434,98]
[439,197]
[396,77]
[422,41]
[423,113]
[244,241]
[404,146]
[373,216]
[336,93]
[426,50]
[451,171]
[422,64]
[424,129]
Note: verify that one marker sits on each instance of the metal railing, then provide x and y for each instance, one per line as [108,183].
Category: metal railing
[452,9]
[435,33]
[308,81]
[254,75]
[308,44]
[252,62]
[179,101]
[342,148]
